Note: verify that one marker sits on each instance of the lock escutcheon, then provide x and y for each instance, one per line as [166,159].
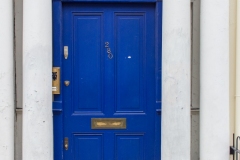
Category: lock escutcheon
[56,80]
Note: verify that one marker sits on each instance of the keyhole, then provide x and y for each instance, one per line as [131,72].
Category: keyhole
[54,76]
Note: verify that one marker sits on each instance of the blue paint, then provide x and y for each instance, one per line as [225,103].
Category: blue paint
[87,61]
[158,77]
[125,144]
[130,65]
[57,62]
[97,1]
[87,145]
[126,86]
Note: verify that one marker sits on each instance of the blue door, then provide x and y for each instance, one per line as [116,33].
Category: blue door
[109,75]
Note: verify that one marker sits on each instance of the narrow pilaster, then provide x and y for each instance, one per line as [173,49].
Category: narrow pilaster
[176,80]
[6,81]
[214,80]
[37,84]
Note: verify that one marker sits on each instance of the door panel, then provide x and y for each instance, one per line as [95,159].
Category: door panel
[87,55]
[129,147]
[111,69]
[88,146]
[129,30]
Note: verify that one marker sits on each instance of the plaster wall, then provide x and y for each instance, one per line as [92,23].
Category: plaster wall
[6,81]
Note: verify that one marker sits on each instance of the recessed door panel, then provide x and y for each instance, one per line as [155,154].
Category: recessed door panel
[88,146]
[129,147]
[87,61]
[130,55]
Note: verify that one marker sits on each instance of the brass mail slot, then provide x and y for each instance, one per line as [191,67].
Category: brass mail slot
[108,123]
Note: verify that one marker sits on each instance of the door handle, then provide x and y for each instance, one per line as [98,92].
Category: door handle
[66,83]
[66,52]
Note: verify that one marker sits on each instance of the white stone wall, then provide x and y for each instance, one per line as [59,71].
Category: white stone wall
[194,84]
[6,81]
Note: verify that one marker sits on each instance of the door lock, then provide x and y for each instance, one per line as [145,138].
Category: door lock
[54,76]
[66,83]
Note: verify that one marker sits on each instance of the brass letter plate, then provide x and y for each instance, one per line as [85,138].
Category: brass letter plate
[108,123]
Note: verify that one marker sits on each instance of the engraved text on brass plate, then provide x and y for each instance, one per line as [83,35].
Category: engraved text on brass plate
[108,123]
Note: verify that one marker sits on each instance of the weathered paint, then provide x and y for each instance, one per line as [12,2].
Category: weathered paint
[6,81]
[176,80]
[214,80]
[37,81]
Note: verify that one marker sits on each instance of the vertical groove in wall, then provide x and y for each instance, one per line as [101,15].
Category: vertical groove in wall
[18,135]
[6,81]
[195,77]
[191,49]
[14,52]
[195,136]
[18,50]
[18,10]
[15,93]
[232,67]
